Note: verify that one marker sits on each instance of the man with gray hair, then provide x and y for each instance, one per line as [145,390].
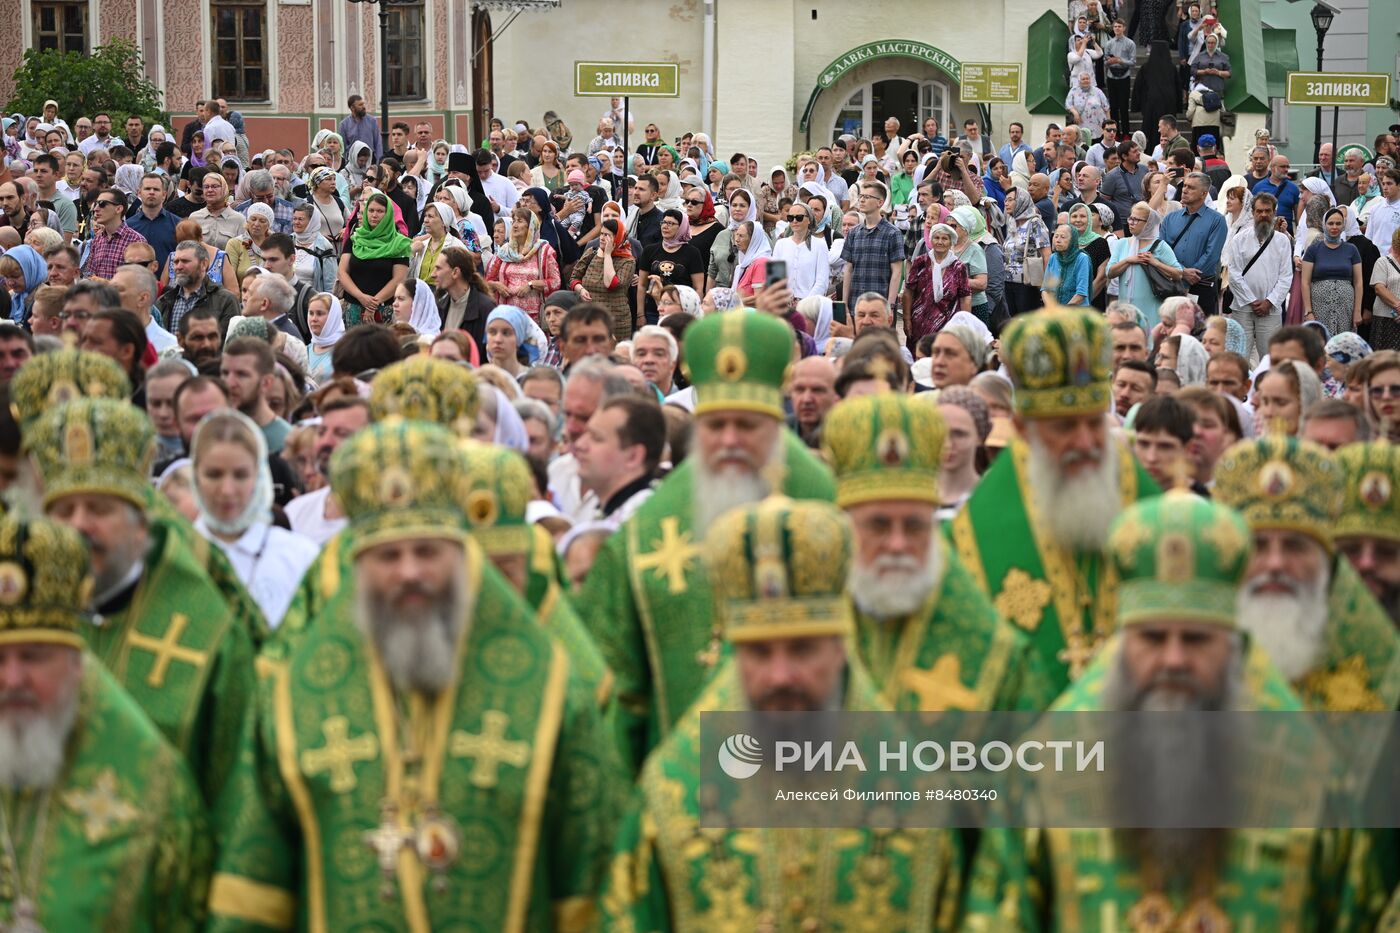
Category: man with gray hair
[271,298]
[1197,234]
[262,189]
[654,352]
[138,288]
[592,381]
[194,289]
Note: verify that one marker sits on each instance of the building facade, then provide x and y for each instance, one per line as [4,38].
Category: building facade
[770,76]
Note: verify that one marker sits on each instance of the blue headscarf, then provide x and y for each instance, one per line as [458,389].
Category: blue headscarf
[35,270]
[1235,339]
[519,322]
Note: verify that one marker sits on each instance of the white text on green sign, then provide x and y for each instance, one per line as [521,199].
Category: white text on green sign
[1313,88]
[626,79]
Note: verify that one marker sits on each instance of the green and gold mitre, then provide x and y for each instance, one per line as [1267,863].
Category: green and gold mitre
[1371,497]
[884,446]
[424,388]
[400,479]
[1282,483]
[50,379]
[1060,360]
[1179,556]
[94,445]
[739,360]
[495,492]
[778,570]
[45,583]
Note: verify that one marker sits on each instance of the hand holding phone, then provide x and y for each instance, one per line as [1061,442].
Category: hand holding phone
[775,272]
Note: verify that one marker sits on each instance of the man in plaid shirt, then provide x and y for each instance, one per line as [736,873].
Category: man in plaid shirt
[110,236]
[874,250]
[262,189]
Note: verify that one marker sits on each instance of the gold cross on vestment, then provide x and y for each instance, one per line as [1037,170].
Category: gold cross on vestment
[166,649]
[940,688]
[1077,653]
[100,808]
[671,555]
[489,748]
[339,754]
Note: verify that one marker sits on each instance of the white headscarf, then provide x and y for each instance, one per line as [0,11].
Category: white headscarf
[425,318]
[670,199]
[973,323]
[510,428]
[758,247]
[259,507]
[1191,360]
[334,327]
[936,273]
[817,310]
[307,238]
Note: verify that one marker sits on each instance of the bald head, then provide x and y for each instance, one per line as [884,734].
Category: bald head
[813,391]
[1040,185]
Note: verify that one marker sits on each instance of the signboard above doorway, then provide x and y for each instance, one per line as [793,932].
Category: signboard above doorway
[885,48]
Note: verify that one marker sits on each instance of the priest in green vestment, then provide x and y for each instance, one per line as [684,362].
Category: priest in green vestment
[425,759]
[923,629]
[49,380]
[161,625]
[101,825]
[647,600]
[1033,532]
[1368,531]
[1180,560]
[777,575]
[1307,607]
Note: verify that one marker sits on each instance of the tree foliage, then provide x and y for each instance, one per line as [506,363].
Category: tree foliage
[112,80]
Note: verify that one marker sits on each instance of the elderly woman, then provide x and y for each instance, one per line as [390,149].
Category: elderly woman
[1068,270]
[1134,253]
[315,259]
[24,271]
[604,274]
[1027,247]
[1086,222]
[439,226]
[937,287]
[526,269]
[1224,335]
[970,226]
[246,251]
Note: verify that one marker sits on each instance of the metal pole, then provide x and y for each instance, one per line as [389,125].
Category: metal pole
[1334,144]
[384,77]
[1317,125]
[626,155]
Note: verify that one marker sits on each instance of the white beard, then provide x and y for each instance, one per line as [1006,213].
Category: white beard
[894,585]
[33,746]
[418,646]
[1291,627]
[1078,509]
[732,486]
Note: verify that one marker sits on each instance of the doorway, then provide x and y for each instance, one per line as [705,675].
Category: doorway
[864,112]
[894,99]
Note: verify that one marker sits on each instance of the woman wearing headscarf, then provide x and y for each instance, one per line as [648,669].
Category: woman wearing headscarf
[969,226]
[332,146]
[314,262]
[817,309]
[147,155]
[714,178]
[1131,255]
[1157,89]
[416,305]
[233,490]
[435,169]
[468,226]
[719,299]
[673,261]
[552,230]
[375,262]
[507,340]
[128,182]
[356,164]
[526,268]
[439,233]
[1332,292]
[1068,271]
[326,320]
[24,270]
[755,246]
[936,288]
[329,206]
[604,274]
[704,225]
[245,251]
[1083,219]
[1027,249]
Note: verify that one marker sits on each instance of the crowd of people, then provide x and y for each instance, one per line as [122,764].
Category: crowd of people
[380,518]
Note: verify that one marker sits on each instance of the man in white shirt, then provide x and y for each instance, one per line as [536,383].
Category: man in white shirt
[1260,264]
[498,188]
[1385,216]
[318,515]
[619,452]
[101,137]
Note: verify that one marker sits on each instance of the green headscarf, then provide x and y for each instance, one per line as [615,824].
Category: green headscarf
[1064,291]
[383,240]
[1089,235]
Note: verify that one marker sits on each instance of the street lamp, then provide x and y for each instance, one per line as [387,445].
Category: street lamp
[1322,16]
[384,68]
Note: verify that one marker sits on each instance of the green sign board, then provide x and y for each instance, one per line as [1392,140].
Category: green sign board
[1338,89]
[991,83]
[627,79]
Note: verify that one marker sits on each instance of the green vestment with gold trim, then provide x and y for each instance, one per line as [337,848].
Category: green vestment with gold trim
[648,604]
[1073,880]
[1059,598]
[668,874]
[544,592]
[334,815]
[1360,672]
[955,652]
[126,844]
[184,655]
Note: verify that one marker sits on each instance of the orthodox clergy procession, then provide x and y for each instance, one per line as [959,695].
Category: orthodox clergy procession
[413,519]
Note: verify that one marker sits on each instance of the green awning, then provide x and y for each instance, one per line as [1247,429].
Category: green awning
[1281,57]
[1046,81]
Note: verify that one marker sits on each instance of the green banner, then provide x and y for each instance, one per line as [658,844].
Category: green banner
[627,79]
[1338,89]
[991,83]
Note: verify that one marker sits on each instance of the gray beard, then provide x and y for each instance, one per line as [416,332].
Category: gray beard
[1078,510]
[1263,232]
[33,747]
[715,492]
[1291,628]
[894,586]
[417,646]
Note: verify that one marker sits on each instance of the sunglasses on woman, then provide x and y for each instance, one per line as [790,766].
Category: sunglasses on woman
[795,218]
[694,203]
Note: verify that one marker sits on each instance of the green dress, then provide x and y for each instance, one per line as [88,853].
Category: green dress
[1070,880]
[184,655]
[127,844]
[1060,599]
[648,603]
[340,810]
[668,874]
[953,653]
